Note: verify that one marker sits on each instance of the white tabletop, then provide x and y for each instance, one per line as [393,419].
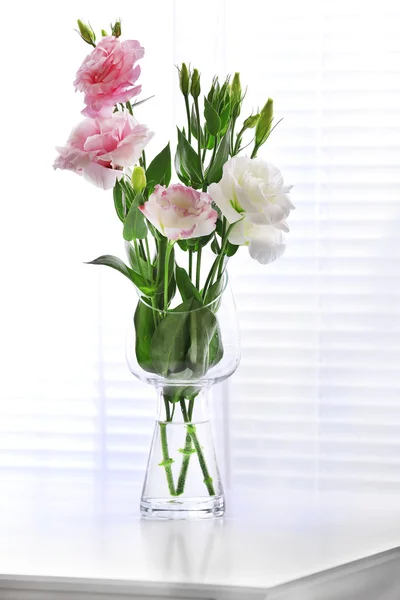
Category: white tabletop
[88,530]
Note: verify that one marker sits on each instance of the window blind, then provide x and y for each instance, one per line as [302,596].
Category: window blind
[315,402]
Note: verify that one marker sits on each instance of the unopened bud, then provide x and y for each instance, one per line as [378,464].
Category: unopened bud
[251,122]
[138,179]
[104,33]
[184,79]
[195,86]
[116,29]
[86,33]
[263,128]
[236,89]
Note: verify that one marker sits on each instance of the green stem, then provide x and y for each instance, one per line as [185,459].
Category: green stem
[233,125]
[184,411]
[198,267]
[144,159]
[203,466]
[188,118]
[190,410]
[238,141]
[166,274]
[254,153]
[148,255]
[196,107]
[190,263]
[187,451]
[166,461]
[214,152]
[143,255]
[218,260]
[137,252]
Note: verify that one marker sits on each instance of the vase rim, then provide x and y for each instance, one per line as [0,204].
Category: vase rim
[175,312]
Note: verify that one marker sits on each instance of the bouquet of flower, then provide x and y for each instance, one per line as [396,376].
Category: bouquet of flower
[220,200]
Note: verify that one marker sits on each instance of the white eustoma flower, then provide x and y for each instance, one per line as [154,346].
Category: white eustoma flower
[252,194]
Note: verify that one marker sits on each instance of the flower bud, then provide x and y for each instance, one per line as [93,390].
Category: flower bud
[236,89]
[116,29]
[138,179]
[264,123]
[86,33]
[195,86]
[251,122]
[104,33]
[184,79]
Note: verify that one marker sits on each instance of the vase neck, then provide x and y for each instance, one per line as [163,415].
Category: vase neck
[182,405]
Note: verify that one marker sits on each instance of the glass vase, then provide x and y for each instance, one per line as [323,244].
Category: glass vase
[182,354]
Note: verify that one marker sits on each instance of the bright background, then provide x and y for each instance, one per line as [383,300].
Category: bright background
[315,403]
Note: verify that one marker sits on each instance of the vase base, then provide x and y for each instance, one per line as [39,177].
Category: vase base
[181,509]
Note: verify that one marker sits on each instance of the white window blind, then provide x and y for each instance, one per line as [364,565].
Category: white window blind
[316,400]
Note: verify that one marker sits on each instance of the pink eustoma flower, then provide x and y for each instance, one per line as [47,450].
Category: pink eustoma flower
[180,212]
[108,75]
[99,149]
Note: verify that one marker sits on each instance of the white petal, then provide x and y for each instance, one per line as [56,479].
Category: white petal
[237,234]
[265,250]
[223,203]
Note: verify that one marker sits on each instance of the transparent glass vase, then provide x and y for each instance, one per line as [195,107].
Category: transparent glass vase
[182,354]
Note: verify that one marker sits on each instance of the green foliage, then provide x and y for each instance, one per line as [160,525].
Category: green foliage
[144,320]
[213,120]
[137,263]
[117,264]
[186,288]
[222,155]
[119,201]
[159,170]
[189,165]
[194,124]
[160,271]
[202,327]
[170,341]
[135,227]
[216,348]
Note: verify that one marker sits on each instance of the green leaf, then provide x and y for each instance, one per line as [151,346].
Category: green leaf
[214,291]
[203,324]
[144,320]
[135,227]
[231,249]
[215,246]
[129,193]
[225,115]
[222,155]
[159,170]
[216,351]
[180,171]
[211,142]
[135,261]
[160,270]
[189,160]
[213,121]
[119,201]
[185,285]
[170,341]
[183,245]
[194,127]
[203,241]
[116,263]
